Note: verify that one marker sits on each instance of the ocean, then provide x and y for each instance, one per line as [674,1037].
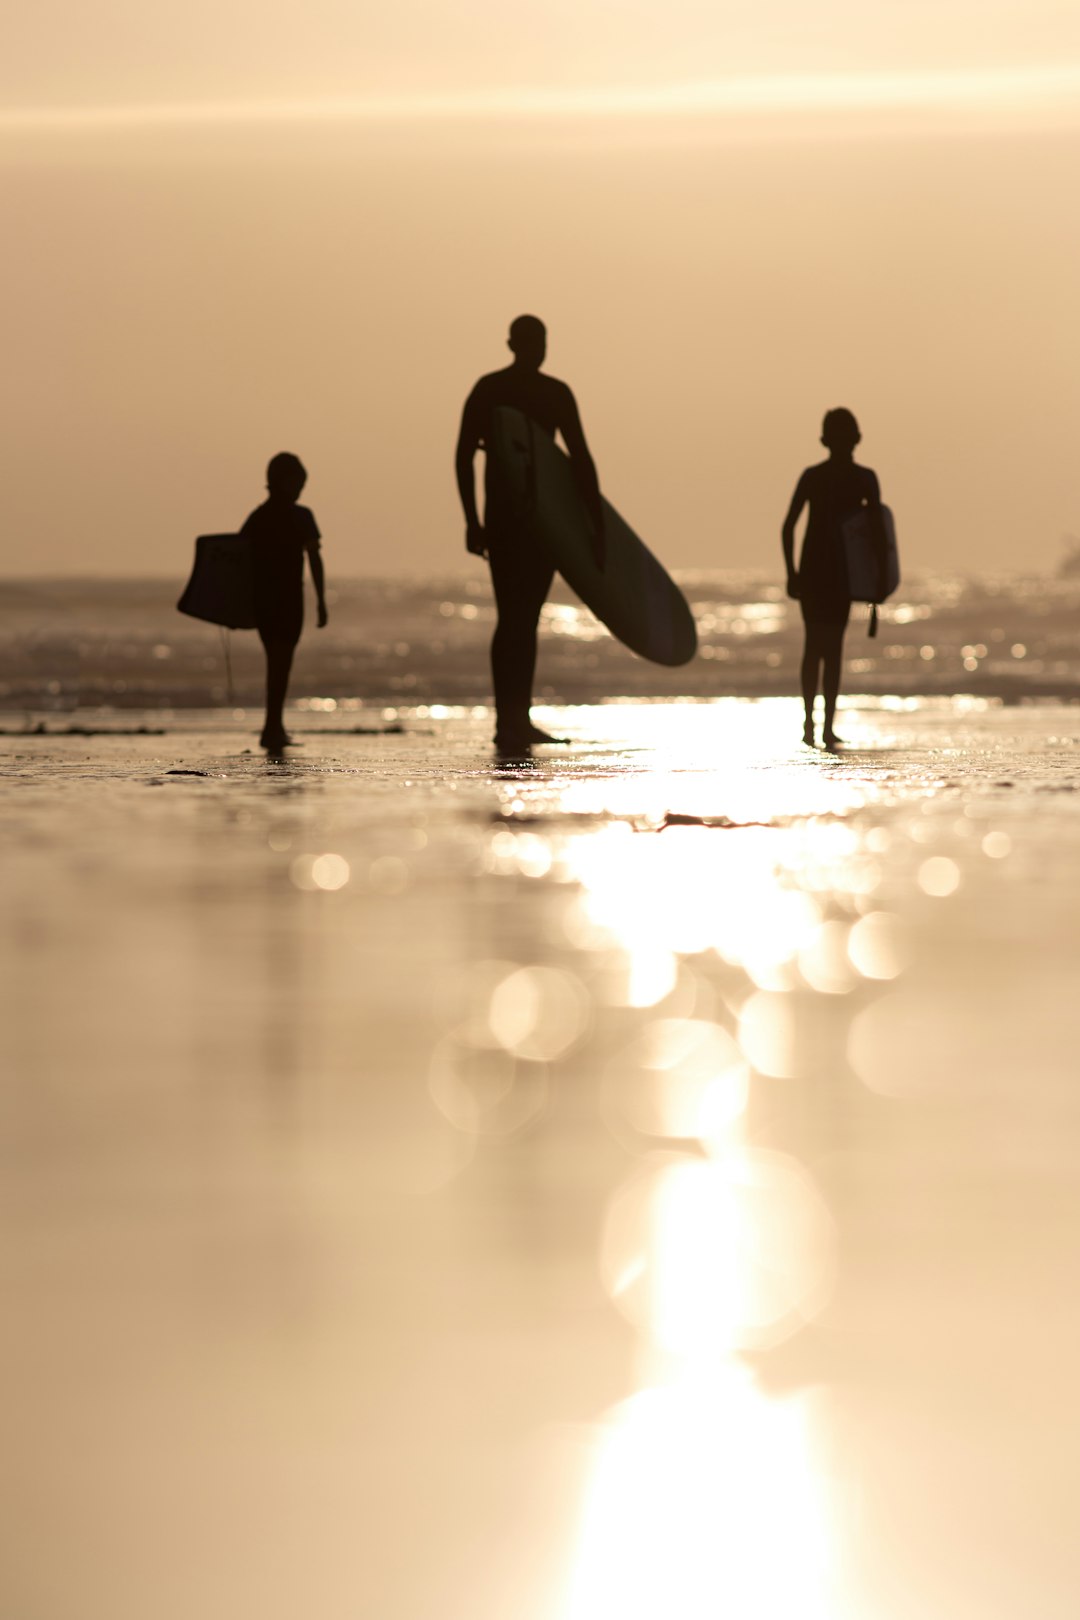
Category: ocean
[104,645]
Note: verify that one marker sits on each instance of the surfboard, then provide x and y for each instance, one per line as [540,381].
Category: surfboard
[221,588]
[861,550]
[633,595]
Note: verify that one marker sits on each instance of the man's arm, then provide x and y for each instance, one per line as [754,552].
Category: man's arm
[585,468]
[467,446]
[787,536]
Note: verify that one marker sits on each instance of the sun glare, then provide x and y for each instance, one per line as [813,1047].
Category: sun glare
[1044,91]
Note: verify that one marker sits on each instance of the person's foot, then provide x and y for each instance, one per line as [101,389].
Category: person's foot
[536,736]
[831,741]
[275,741]
[808,734]
[513,744]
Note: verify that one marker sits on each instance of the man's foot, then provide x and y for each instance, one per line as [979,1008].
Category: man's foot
[513,744]
[535,735]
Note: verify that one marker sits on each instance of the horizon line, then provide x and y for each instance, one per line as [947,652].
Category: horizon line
[962,90]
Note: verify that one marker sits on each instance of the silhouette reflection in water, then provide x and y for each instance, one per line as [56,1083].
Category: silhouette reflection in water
[282,532]
[834,490]
[521,567]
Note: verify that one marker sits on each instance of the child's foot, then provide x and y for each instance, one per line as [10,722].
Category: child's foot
[513,744]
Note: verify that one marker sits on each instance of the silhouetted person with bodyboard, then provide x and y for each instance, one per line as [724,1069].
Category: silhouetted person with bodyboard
[282,533]
[835,490]
[521,566]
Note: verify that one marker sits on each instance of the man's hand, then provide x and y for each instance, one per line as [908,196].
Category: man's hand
[324,617]
[794,590]
[476,540]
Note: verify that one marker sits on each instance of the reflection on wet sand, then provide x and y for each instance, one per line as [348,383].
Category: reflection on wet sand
[645,1183]
[705,1498]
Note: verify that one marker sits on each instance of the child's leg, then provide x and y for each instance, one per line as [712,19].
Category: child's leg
[834,653]
[279,657]
[812,656]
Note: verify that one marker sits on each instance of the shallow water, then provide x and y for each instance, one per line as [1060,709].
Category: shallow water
[640,1181]
[121,644]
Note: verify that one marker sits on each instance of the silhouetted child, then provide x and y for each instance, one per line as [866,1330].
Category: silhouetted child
[281,532]
[834,490]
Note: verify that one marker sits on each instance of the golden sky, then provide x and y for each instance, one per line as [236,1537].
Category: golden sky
[241,227]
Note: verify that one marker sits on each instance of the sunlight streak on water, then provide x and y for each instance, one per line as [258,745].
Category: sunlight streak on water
[696,889]
[723,1247]
[703,1502]
[683,1078]
[720,1254]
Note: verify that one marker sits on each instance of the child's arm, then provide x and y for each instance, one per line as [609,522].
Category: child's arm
[318,579]
[787,536]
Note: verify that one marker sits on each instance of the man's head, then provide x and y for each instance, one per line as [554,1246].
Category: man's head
[285,476]
[528,341]
[840,431]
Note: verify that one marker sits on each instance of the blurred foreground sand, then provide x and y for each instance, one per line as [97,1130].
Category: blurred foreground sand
[645,1183]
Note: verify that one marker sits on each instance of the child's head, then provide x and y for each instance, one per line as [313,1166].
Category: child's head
[285,476]
[840,431]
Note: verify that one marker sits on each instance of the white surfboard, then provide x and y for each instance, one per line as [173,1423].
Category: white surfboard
[633,595]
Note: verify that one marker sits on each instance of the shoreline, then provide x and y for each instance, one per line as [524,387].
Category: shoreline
[388,716]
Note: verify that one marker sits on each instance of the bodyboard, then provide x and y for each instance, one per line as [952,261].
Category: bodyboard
[861,552]
[222,586]
[633,594]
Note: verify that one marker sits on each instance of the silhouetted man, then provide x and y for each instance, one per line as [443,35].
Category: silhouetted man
[521,566]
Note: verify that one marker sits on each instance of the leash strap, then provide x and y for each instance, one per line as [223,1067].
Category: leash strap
[227,650]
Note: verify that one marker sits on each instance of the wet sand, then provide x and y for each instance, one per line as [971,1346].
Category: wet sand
[643,1182]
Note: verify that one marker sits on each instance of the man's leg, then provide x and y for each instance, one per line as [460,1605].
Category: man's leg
[521,574]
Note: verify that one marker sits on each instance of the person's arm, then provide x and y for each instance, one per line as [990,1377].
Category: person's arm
[318,579]
[787,536]
[468,444]
[585,469]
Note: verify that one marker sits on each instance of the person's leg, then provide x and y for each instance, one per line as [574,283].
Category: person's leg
[279,657]
[833,650]
[521,575]
[808,675]
[833,659]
